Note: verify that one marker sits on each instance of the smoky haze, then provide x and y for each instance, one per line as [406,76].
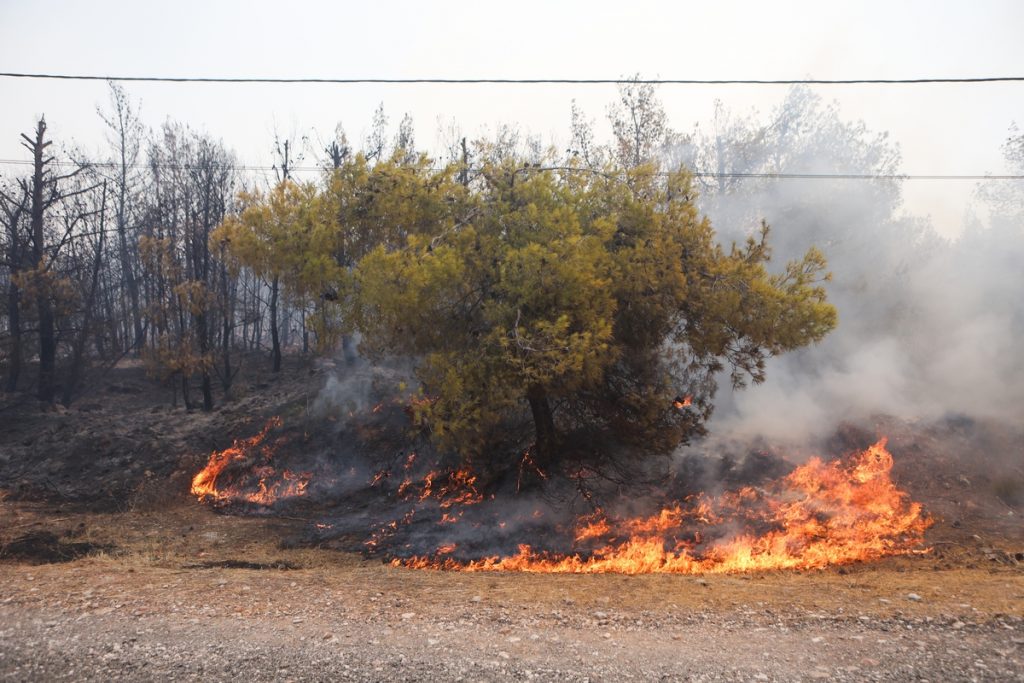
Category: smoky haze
[927,327]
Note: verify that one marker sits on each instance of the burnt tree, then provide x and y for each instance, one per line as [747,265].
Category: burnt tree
[125,136]
[14,202]
[43,193]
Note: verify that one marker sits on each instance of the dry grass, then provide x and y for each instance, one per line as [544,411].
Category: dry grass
[172,545]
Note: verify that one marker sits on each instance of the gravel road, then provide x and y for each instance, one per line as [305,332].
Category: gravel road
[247,627]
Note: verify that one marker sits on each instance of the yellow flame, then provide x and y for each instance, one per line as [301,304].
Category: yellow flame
[820,514]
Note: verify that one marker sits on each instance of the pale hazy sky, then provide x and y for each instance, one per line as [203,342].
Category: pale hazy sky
[942,129]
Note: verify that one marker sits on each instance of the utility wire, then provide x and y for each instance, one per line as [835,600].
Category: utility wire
[520,81]
[696,174]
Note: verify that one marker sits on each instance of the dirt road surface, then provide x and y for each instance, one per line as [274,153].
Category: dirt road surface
[170,604]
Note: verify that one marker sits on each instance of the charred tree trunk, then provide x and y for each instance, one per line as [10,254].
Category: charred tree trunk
[464,171]
[14,210]
[127,267]
[202,324]
[78,349]
[275,286]
[126,135]
[47,328]
[305,332]
[226,328]
[285,325]
[275,340]
[202,334]
[544,426]
[14,322]
[129,277]
[185,397]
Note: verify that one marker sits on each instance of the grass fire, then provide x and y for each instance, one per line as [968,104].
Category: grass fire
[251,458]
[820,514]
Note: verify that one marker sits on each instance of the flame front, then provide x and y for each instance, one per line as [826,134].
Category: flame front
[820,514]
[682,402]
[271,485]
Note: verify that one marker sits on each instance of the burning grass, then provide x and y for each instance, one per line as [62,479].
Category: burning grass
[256,480]
[820,514]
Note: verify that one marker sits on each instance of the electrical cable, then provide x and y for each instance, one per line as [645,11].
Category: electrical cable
[520,81]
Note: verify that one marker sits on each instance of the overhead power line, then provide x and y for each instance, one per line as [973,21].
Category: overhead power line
[518,81]
[696,173]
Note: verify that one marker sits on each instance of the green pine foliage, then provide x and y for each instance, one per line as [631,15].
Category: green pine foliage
[582,301]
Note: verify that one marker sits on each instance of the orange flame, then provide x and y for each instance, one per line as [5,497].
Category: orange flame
[682,402]
[820,514]
[448,488]
[592,526]
[272,485]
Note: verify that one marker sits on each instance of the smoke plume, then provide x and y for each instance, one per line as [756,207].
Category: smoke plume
[927,327]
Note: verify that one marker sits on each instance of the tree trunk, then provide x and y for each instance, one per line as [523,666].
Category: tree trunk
[47,351]
[275,341]
[204,349]
[124,125]
[207,392]
[185,397]
[127,268]
[131,284]
[544,426]
[14,256]
[464,171]
[78,350]
[305,332]
[47,331]
[226,329]
[14,322]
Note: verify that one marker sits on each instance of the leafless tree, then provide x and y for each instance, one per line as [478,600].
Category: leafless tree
[376,141]
[45,189]
[14,203]
[126,133]
[638,122]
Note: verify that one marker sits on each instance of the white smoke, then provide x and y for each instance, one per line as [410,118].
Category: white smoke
[927,327]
